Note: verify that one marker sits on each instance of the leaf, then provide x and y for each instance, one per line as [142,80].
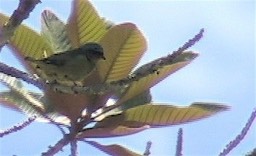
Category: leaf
[27,42]
[54,31]
[107,132]
[29,103]
[156,72]
[123,47]
[113,150]
[140,99]
[84,24]
[14,101]
[16,87]
[162,115]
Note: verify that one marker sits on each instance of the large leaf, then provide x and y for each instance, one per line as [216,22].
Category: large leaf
[84,24]
[161,72]
[113,150]
[162,115]
[29,103]
[16,102]
[54,31]
[110,131]
[123,46]
[15,86]
[27,42]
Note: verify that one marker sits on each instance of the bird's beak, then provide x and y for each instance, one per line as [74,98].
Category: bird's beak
[103,57]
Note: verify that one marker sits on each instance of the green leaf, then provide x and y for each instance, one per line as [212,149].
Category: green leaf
[162,115]
[113,150]
[140,99]
[123,47]
[55,32]
[84,24]
[155,72]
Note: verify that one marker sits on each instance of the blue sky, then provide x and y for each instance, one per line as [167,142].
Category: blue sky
[224,72]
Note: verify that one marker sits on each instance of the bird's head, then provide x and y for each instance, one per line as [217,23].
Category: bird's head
[93,51]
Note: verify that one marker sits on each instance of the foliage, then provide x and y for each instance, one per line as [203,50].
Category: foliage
[77,106]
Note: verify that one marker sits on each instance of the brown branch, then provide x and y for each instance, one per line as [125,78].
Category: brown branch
[179,143]
[22,12]
[18,127]
[68,138]
[240,137]
[58,146]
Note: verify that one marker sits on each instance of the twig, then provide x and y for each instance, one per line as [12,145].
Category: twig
[22,12]
[58,146]
[147,150]
[240,137]
[179,143]
[18,127]
[21,75]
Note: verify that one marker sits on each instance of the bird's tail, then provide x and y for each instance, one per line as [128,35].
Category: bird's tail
[30,59]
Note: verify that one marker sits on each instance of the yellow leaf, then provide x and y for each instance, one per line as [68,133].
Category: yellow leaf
[110,131]
[28,42]
[153,78]
[162,115]
[84,24]
[113,150]
[123,47]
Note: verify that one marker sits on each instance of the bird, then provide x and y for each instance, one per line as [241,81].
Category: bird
[69,67]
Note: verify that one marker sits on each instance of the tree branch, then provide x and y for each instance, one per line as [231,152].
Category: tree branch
[58,146]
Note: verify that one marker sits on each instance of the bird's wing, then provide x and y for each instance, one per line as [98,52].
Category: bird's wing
[57,61]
